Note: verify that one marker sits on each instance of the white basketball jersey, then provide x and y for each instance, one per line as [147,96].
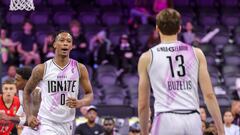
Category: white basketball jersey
[173,74]
[56,86]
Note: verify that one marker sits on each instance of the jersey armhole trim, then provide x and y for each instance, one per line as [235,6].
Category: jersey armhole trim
[195,55]
[151,61]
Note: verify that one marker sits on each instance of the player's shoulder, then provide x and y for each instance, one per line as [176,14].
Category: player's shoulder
[82,66]
[146,55]
[39,68]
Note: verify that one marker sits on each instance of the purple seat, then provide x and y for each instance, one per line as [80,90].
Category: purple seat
[119,29]
[38,2]
[230,80]
[230,21]
[128,3]
[56,2]
[208,49]
[237,37]
[39,18]
[230,70]
[104,2]
[229,3]
[88,18]
[143,39]
[6,2]
[186,19]
[231,50]
[15,35]
[114,100]
[110,19]
[45,28]
[210,60]
[232,60]
[223,100]
[62,18]
[208,21]
[181,3]
[40,38]
[220,40]
[115,38]
[14,18]
[113,90]
[206,3]
[131,79]
[214,80]
[213,71]
[145,29]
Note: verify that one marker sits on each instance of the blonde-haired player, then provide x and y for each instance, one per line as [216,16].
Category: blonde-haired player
[173,70]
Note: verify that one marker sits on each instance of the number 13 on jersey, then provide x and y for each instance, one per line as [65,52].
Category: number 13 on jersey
[179,59]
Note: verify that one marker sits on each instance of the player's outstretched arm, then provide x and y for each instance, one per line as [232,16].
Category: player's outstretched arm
[208,94]
[36,77]
[143,92]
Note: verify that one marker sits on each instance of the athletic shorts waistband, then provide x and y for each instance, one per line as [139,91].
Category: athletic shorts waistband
[183,112]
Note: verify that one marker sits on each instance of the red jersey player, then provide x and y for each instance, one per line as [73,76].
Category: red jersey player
[9,105]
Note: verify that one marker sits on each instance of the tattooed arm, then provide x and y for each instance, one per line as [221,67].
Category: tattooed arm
[36,77]
[87,88]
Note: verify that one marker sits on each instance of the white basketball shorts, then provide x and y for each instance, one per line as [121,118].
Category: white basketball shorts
[177,124]
[48,127]
[29,131]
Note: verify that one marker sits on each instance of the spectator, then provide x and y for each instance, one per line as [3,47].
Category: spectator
[209,131]
[126,54]
[48,49]
[83,117]
[212,128]
[159,5]
[203,114]
[8,47]
[134,129]
[204,126]
[189,36]
[91,127]
[108,126]
[139,12]
[230,129]
[9,104]
[153,40]
[80,47]
[235,109]
[28,48]
[100,48]
[236,92]
[10,73]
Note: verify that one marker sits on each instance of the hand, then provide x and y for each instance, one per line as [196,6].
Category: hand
[220,133]
[32,121]
[4,116]
[82,45]
[74,103]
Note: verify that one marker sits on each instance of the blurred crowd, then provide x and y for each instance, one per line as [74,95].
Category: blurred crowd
[97,50]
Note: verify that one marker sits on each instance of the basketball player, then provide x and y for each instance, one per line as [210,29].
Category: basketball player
[22,76]
[9,104]
[59,80]
[173,70]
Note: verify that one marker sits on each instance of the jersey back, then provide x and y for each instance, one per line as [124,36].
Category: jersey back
[56,86]
[173,74]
